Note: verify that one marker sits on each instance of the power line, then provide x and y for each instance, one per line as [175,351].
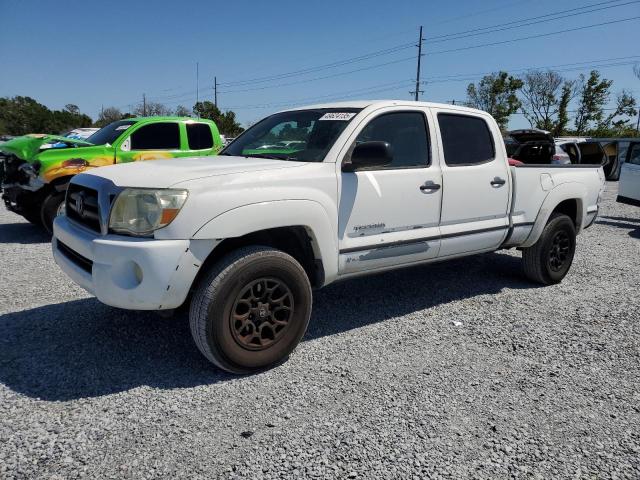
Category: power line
[393,50]
[340,63]
[593,63]
[307,80]
[406,46]
[369,90]
[469,47]
[520,23]
[548,34]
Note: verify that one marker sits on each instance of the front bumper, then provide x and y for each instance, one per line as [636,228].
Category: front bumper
[17,199]
[127,272]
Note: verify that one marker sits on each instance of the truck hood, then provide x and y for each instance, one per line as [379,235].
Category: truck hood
[172,172]
[28,146]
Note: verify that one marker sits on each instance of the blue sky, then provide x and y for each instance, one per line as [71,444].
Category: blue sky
[109,53]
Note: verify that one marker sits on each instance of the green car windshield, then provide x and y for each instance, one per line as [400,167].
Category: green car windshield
[298,135]
[110,133]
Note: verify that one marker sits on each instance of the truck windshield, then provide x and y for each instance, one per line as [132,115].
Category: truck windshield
[299,135]
[110,133]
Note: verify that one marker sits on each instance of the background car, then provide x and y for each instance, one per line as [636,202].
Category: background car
[629,187]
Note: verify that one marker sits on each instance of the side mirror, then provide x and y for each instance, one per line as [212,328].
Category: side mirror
[369,155]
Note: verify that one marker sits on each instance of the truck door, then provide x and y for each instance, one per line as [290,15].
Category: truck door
[476,184]
[389,215]
[629,185]
[152,141]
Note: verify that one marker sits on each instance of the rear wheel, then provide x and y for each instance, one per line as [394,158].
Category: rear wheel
[251,310]
[549,259]
[52,207]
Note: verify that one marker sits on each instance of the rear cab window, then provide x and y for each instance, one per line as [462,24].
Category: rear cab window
[199,136]
[466,140]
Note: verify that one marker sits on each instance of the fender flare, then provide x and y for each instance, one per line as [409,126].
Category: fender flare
[255,217]
[565,191]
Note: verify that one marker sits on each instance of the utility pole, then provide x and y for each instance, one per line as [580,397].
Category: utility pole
[144,105]
[197,80]
[638,122]
[215,91]
[417,91]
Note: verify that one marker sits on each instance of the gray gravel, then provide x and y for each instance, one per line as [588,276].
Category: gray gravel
[456,370]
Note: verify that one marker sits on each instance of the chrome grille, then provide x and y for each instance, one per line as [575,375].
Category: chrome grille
[83,206]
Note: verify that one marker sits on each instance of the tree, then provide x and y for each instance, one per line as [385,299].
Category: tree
[541,100]
[594,95]
[226,121]
[568,92]
[182,111]
[496,94]
[108,115]
[21,115]
[71,108]
[612,126]
[152,109]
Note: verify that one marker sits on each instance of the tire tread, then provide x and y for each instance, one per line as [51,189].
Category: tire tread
[206,289]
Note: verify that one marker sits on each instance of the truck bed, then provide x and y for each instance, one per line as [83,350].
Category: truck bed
[534,185]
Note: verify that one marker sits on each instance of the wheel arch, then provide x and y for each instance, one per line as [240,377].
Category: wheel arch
[567,198]
[300,228]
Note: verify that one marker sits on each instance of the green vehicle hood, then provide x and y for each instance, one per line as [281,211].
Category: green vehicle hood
[28,146]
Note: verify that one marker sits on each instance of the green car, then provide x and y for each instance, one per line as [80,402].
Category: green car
[35,169]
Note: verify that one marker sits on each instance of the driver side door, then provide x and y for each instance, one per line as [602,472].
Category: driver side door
[152,141]
[389,215]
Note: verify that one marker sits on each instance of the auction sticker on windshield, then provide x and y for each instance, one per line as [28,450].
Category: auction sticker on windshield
[345,116]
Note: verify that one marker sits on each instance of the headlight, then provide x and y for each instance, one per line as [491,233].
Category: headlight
[141,211]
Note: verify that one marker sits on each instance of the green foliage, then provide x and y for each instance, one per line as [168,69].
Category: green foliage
[226,122]
[612,125]
[562,120]
[593,97]
[21,115]
[497,95]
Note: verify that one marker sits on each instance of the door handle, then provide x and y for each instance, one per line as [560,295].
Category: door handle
[430,186]
[497,182]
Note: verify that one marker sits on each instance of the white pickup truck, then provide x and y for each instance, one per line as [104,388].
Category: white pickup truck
[307,197]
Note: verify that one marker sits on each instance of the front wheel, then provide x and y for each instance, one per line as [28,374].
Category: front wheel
[52,207]
[549,259]
[251,310]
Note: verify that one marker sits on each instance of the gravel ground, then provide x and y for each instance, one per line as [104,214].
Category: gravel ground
[461,369]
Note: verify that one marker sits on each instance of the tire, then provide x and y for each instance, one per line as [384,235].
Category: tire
[50,209]
[549,259]
[236,330]
[32,215]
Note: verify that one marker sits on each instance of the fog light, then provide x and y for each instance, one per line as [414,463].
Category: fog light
[138,272]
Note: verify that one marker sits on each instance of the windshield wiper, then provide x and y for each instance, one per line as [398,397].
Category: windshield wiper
[267,155]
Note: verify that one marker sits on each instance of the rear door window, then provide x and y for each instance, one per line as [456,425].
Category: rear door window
[199,136]
[466,140]
[156,136]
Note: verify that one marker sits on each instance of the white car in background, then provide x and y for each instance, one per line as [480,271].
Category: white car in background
[629,186]
[76,134]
